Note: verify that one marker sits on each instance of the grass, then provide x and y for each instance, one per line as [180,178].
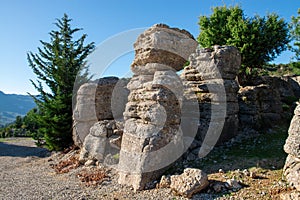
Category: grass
[14,139]
[261,151]
[262,154]
[264,150]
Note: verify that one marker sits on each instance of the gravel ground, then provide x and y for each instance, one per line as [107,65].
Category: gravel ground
[25,173]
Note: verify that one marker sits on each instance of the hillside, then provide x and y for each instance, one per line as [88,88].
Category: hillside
[12,105]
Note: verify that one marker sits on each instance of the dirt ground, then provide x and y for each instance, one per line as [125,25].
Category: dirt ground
[26,172]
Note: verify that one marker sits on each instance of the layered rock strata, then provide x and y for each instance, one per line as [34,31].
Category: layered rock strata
[210,80]
[268,101]
[94,103]
[292,148]
[152,138]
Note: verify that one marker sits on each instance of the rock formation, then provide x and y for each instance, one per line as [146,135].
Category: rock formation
[94,103]
[152,138]
[210,78]
[103,139]
[144,125]
[260,106]
[292,147]
[189,182]
[268,101]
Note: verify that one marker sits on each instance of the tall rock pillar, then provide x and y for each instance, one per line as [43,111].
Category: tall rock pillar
[210,79]
[152,138]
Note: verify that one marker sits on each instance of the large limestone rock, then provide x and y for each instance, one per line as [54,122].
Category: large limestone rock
[191,181]
[103,137]
[152,138]
[162,44]
[270,100]
[95,101]
[259,106]
[210,80]
[292,147]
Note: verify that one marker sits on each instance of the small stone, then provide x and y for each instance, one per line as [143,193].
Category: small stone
[246,172]
[253,175]
[233,184]
[221,171]
[89,163]
[290,195]
[165,182]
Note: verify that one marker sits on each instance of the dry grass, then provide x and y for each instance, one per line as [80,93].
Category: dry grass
[92,176]
[65,166]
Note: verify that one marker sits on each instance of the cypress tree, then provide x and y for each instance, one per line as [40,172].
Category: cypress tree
[56,65]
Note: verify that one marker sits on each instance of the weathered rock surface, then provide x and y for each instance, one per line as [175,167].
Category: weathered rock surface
[104,135]
[191,181]
[290,196]
[270,100]
[95,101]
[292,147]
[164,45]
[152,139]
[210,80]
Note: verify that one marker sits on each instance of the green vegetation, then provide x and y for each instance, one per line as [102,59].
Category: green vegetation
[13,105]
[245,152]
[259,39]
[290,69]
[57,64]
[295,32]
[22,126]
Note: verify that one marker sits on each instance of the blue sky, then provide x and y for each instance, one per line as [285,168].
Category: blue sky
[25,23]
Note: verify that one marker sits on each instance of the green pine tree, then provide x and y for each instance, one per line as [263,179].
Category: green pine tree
[57,64]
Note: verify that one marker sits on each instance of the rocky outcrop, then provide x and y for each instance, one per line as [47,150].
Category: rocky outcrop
[94,103]
[260,106]
[292,148]
[210,80]
[152,138]
[268,101]
[143,126]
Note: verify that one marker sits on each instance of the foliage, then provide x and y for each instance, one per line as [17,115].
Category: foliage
[22,126]
[295,33]
[290,69]
[18,122]
[56,65]
[259,39]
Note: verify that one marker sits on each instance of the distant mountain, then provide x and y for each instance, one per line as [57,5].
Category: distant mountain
[12,105]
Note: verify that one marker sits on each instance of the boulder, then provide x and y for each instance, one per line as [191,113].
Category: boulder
[190,182]
[97,144]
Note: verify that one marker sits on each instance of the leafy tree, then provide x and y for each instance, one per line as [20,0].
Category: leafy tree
[259,39]
[31,126]
[295,33]
[56,65]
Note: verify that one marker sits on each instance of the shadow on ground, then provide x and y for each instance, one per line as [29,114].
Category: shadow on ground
[14,150]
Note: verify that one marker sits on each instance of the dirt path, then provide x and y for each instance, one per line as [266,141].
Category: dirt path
[25,173]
